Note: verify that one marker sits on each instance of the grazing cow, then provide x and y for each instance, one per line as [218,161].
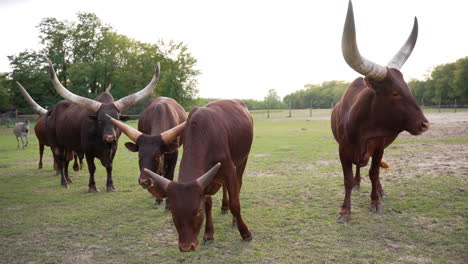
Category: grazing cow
[217,143]
[86,128]
[40,131]
[21,131]
[155,150]
[371,114]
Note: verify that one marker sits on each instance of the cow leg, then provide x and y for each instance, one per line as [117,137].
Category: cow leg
[347,166]
[225,202]
[17,140]
[357,179]
[76,166]
[27,141]
[109,184]
[67,162]
[92,170]
[41,152]
[374,177]
[233,186]
[209,229]
[60,165]
[22,142]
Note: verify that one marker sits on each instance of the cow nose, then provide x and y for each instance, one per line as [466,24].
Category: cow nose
[188,247]
[109,138]
[424,126]
[145,183]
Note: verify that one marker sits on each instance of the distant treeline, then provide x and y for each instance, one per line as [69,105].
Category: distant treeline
[89,55]
[447,84]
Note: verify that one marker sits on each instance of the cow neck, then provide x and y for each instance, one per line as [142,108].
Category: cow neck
[360,125]
[197,157]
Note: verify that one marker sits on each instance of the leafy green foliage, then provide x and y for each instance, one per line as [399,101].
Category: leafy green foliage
[447,83]
[89,55]
[317,96]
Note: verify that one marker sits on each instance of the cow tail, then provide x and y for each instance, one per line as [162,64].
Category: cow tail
[384,165]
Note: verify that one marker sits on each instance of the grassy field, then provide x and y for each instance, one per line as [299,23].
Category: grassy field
[292,191]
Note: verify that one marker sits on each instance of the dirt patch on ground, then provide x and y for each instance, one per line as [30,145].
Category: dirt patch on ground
[444,125]
[434,158]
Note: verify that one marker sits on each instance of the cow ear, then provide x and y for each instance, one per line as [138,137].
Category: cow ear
[169,148]
[157,192]
[124,118]
[131,146]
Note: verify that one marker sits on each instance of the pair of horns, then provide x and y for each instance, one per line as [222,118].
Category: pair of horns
[93,105]
[203,181]
[167,136]
[364,66]
[30,101]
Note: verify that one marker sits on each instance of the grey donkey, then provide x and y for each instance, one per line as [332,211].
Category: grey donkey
[21,131]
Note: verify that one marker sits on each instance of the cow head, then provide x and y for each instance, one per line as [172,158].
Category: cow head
[106,108]
[394,106]
[187,204]
[149,148]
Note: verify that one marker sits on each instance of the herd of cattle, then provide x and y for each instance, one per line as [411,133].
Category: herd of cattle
[217,138]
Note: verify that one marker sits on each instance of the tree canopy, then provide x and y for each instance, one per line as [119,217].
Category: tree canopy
[89,55]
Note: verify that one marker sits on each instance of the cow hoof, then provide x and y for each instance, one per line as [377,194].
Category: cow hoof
[93,189]
[69,181]
[76,168]
[342,218]
[207,241]
[382,194]
[356,187]
[64,186]
[110,189]
[376,208]
[224,211]
[248,238]
[158,201]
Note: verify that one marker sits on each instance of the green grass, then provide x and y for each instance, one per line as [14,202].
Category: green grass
[292,191]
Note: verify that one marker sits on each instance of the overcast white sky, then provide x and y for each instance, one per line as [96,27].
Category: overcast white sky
[244,48]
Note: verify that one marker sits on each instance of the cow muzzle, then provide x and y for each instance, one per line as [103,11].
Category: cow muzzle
[145,183]
[187,247]
[109,138]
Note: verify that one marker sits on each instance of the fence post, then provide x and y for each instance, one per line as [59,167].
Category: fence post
[455,106]
[439,106]
[289,106]
[310,114]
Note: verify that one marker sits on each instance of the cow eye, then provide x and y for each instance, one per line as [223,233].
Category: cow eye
[395,94]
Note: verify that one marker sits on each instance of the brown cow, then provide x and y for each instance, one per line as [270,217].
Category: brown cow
[218,138]
[371,114]
[155,150]
[40,131]
[86,128]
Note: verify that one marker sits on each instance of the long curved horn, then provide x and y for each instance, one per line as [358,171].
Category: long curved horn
[403,54]
[30,101]
[170,135]
[79,100]
[351,52]
[129,100]
[131,133]
[161,181]
[109,88]
[206,178]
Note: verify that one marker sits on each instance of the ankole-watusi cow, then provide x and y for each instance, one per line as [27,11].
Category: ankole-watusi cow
[217,143]
[41,133]
[371,114]
[86,128]
[157,138]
